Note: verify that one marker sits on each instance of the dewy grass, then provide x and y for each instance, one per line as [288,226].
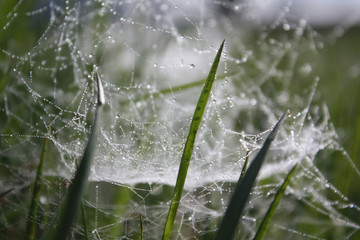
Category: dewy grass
[83,215]
[189,145]
[243,170]
[141,227]
[243,189]
[182,87]
[270,213]
[67,212]
[32,216]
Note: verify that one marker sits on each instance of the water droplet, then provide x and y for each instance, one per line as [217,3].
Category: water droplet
[192,65]
[43,199]
[286,27]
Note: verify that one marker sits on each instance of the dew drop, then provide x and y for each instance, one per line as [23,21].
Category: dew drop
[286,27]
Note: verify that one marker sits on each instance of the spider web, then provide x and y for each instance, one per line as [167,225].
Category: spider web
[145,50]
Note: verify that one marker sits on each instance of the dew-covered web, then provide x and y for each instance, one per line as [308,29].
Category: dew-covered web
[143,51]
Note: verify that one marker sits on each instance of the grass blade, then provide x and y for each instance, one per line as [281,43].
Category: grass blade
[178,88]
[83,215]
[243,170]
[189,145]
[31,221]
[243,189]
[141,227]
[73,197]
[270,213]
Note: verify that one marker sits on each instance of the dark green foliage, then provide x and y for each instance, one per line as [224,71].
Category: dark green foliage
[271,211]
[68,210]
[243,189]
[31,219]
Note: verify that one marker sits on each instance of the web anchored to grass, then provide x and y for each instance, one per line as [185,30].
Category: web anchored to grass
[153,58]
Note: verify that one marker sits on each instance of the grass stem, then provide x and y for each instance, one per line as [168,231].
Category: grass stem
[68,210]
[189,145]
[243,189]
[32,216]
[271,211]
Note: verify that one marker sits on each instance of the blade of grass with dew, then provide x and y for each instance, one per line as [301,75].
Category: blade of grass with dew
[243,170]
[83,215]
[141,227]
[67,212]
[189,145]
[270,212]
[32,216]
[243,189]
[180,87]
[175,89]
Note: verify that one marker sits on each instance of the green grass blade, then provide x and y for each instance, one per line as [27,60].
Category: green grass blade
[3,194]
[179,88]
[189,145]
[141,227]
[83,215]
[270,213]
[73,197]
[243,170]
[243,189]
[31,221]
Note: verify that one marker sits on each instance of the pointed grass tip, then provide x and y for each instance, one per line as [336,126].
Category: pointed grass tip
[275,129]
[222,44]
[101,95]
